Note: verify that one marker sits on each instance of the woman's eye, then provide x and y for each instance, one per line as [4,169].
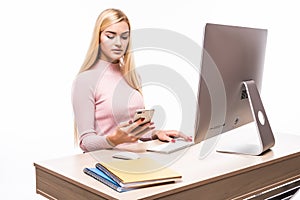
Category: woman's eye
[124,37]
[110,36]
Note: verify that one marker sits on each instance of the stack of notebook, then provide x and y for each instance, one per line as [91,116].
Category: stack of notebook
[124,175]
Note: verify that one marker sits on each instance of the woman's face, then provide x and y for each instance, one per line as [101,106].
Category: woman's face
[114,41]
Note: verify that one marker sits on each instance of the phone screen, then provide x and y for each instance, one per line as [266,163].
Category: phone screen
[145,114]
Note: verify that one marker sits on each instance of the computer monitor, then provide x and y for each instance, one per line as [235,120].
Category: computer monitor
[229,86]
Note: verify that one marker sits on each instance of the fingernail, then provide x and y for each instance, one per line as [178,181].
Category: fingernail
[173,141]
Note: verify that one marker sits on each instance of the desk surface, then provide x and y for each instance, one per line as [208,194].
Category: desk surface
[216,175]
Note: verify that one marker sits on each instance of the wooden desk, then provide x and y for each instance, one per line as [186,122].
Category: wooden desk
[217,176]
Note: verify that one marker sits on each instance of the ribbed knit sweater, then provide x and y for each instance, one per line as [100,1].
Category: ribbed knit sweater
[101,100]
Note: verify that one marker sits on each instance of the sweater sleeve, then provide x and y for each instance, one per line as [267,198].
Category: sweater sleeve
[83,100]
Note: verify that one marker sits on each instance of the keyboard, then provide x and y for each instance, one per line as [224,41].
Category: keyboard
[170,147]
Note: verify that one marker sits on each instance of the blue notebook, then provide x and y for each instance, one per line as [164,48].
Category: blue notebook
[102,177]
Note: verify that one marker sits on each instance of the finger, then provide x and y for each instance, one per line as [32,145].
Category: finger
[163,136]
[129,127]
[172,133]
[134,125]
[179,134]
[141,130]
[168,138]
[124,124]
[185,137]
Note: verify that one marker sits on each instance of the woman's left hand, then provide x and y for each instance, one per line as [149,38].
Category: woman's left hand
[169,135]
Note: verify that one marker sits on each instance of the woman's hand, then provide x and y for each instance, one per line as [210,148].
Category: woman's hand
[169,135]
[129,132]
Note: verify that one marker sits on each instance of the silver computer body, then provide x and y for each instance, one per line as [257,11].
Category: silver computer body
[229,88]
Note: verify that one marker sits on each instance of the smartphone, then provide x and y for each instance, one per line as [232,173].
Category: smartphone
[145,114]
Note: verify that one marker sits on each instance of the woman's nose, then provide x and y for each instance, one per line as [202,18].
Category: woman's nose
[118,41]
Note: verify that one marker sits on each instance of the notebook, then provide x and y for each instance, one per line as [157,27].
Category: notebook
[138,173]
[102,177]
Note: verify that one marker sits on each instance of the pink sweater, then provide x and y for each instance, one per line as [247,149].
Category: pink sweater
[101,100]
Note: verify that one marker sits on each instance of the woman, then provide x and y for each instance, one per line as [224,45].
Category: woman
[106,92]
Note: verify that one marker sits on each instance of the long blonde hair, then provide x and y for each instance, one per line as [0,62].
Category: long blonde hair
[105,19]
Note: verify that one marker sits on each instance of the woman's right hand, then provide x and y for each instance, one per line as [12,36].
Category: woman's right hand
[129,132]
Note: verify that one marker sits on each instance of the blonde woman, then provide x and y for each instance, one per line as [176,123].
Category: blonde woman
[107,92]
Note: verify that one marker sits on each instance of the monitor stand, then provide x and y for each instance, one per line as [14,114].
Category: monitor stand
[265,138]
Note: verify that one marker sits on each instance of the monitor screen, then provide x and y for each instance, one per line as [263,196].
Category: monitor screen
[231,56]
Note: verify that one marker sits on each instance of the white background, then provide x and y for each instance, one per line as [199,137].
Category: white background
[43,44]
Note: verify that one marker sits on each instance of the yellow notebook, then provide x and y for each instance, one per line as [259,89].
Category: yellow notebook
[139,172]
